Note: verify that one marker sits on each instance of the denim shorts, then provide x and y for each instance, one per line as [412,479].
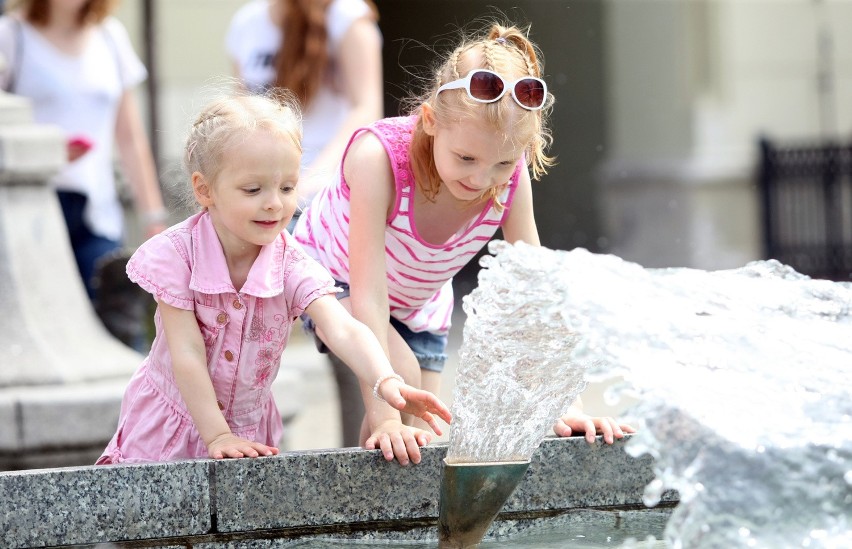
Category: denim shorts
[429,348]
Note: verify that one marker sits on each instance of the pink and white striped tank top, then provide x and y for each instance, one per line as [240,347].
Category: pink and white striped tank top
[419,273]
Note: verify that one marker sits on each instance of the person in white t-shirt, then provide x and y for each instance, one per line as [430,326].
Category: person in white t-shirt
[76,64]
[328,53]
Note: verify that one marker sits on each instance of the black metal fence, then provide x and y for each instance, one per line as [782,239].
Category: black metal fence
[806,193]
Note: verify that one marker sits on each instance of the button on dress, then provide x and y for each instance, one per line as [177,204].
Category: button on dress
[245,333]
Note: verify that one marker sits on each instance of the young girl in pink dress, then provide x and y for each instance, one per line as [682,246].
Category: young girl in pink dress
[229,283]
[417,197]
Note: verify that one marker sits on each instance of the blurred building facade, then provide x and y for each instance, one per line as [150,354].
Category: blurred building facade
[660,104]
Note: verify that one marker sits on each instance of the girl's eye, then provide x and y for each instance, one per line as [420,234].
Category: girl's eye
[251,190]
[288,188]
[466,158]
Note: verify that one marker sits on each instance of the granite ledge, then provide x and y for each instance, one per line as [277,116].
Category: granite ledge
[294,493]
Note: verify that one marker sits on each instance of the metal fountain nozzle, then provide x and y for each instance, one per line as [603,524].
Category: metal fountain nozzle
[471,496]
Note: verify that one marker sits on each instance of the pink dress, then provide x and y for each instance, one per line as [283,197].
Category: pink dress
[244,332]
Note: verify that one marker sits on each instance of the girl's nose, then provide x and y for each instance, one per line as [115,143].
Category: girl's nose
[479,180]
[273,202]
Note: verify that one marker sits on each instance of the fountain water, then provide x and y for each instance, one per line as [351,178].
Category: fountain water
[742,377]
[512,382]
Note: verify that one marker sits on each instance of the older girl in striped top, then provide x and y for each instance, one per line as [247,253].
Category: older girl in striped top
[415,200]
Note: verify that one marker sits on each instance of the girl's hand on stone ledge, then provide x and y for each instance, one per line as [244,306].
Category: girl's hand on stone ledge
[397,440]
[575,422]
[231,446]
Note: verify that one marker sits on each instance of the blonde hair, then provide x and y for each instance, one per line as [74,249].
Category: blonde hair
[37,12]
[236,116]
[508,51]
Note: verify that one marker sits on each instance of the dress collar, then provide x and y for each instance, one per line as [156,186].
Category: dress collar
[210,270]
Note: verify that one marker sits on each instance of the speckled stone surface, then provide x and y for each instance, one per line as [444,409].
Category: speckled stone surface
[314,488]
[567,473]
[325,497]
[96,504]
[358,486]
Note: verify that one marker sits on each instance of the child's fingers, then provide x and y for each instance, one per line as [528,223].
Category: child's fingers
[562,429]
[386,447]
[443,412]
[434,405]
[590,429]
[399,445]
[606,430]
[398,401]
[412,448]
[265,450]
[432,422]
[371,443]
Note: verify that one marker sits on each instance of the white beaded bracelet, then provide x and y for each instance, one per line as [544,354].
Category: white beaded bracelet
[381,380]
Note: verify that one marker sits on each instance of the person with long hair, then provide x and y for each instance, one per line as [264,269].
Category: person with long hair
[328,53]
[77,65]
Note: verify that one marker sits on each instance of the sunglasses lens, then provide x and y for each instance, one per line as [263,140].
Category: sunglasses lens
[530,93]
[485,86]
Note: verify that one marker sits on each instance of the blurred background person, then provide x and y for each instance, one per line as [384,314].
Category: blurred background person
[329,54]
[76,64]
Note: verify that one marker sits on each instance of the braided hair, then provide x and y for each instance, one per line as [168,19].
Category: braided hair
[503,49]
[232,117]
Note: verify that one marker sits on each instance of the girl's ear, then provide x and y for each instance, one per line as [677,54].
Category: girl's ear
[427,114]
[201,189]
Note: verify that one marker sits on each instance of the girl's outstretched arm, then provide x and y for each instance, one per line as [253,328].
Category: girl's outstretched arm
[189,363]
[358,347]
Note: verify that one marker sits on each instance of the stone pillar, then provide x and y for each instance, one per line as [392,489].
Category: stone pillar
[677,185]
[61,373]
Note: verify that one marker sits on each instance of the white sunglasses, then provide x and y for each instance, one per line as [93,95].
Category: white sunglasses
[485,86]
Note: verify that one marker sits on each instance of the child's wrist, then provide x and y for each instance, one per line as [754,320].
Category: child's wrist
[381,380]
[217,438]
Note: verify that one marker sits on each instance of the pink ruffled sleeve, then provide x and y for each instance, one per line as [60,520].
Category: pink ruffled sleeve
[161,267]
[305,281]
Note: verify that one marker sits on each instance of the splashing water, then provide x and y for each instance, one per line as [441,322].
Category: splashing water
[513,378]
[742,375]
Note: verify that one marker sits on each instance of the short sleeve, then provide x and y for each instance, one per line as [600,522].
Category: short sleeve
[163,269]
[132,71]
[305,280]
[341,15]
